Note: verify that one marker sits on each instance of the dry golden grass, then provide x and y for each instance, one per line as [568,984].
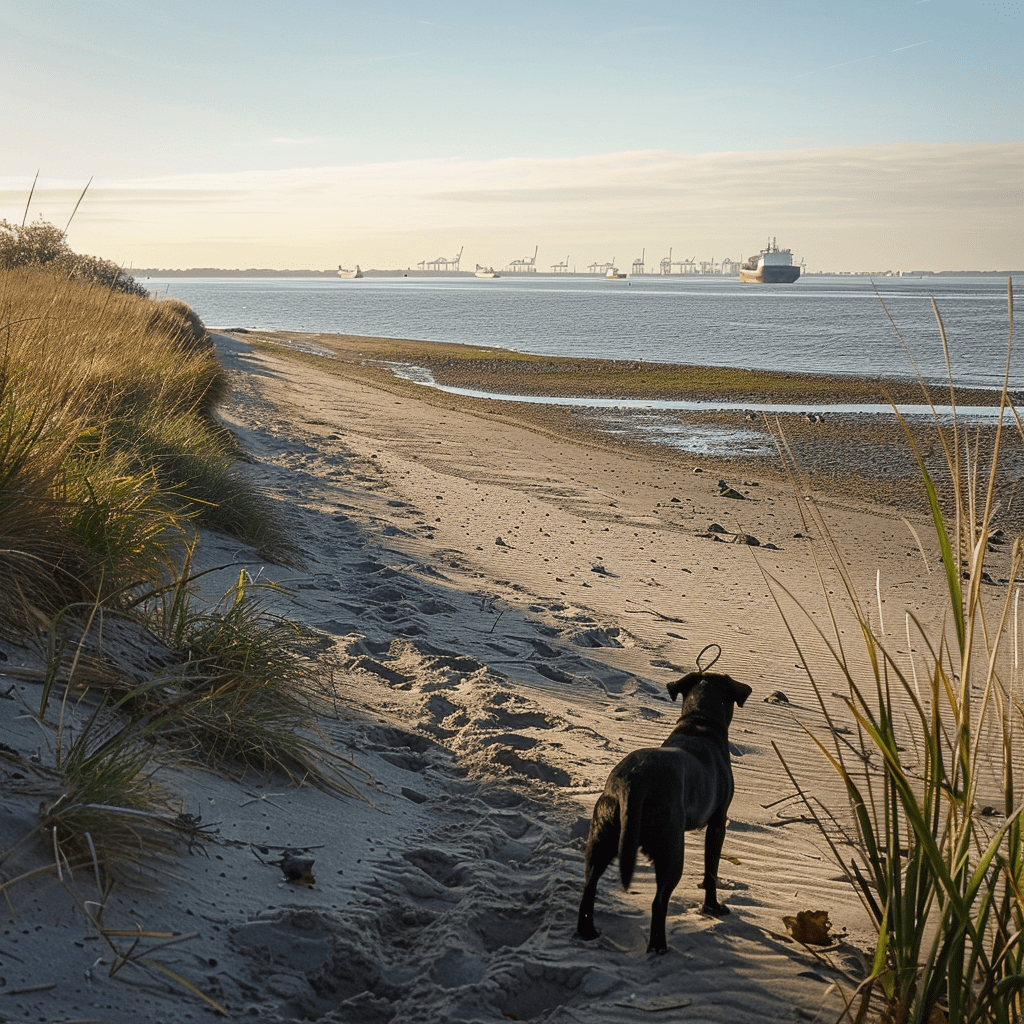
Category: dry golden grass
[107,445]
[109,455]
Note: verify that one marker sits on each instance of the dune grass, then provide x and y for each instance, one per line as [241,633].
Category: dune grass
[240,697]
[107,445]
[110,458]
[932,771]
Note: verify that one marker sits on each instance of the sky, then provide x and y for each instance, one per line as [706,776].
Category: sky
[307,134]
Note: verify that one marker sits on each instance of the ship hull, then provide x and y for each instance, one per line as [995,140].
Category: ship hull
[770,275]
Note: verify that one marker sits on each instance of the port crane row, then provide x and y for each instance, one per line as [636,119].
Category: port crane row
[666,266]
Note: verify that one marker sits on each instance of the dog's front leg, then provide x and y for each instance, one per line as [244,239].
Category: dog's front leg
[714,836]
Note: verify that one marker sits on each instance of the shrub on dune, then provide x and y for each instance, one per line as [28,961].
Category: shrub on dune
[43,245]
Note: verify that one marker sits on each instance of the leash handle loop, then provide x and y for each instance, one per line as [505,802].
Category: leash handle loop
[704,668]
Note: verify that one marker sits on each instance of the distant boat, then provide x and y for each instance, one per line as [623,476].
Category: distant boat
[485,272]
[349,275]
[614,274]
[771,265]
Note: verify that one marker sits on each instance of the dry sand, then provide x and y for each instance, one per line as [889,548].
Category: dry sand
[501,602]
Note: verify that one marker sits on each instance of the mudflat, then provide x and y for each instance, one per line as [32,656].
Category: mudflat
[856,454]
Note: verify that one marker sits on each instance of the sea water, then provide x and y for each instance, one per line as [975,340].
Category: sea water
[820,324]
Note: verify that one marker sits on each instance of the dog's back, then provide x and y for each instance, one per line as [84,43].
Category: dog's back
[654,794]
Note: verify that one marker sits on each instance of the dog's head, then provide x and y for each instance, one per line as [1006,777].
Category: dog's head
[707,689]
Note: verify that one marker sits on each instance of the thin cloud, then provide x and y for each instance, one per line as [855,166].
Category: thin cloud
[832,67]
[924,42]
[789,175]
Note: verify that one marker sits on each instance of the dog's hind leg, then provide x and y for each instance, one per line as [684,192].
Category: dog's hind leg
[668,869]
[713,839]
[602,845]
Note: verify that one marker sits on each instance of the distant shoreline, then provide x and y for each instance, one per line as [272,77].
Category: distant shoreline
[206,272]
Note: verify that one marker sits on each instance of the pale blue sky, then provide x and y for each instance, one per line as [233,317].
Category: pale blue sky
[189,105]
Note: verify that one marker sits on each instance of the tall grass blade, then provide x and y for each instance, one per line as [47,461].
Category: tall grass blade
[945,891]
[28,202]
[77,205]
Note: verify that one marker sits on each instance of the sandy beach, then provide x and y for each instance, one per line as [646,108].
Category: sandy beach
[501,597]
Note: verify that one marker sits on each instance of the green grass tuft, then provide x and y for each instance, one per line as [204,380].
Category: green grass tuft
[943,883]
[241,699]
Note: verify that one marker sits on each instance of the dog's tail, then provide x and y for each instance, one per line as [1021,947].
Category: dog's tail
[631,812]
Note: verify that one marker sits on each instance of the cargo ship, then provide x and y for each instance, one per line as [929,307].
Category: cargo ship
[771,265]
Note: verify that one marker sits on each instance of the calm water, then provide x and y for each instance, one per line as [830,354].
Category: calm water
[818,325]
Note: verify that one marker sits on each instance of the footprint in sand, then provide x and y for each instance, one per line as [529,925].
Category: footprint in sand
[440,865]
[596,637]
[531,989]
[368,664]
[454,663]
[456,970]
[408,762]
[505,930]
[508,719]
[511,740]
[538,770]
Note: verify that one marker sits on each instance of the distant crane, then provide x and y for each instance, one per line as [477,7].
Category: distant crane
[638,265]
[527,265]
[730,266]
[441,263]
[560,268]
[684,264]
[453,264]
[666,263]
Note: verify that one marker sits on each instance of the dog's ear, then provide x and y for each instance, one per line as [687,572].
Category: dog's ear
[685,685]
[740,691]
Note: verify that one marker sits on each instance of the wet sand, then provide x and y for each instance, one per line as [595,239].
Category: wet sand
[863,456]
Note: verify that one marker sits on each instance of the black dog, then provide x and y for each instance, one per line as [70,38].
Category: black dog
[654,795]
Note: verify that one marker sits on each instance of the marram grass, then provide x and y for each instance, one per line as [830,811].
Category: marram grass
[110,456]
[241,696]
[919,744]
[107,443]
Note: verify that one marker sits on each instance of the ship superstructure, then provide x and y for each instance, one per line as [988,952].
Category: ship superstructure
[771,265]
